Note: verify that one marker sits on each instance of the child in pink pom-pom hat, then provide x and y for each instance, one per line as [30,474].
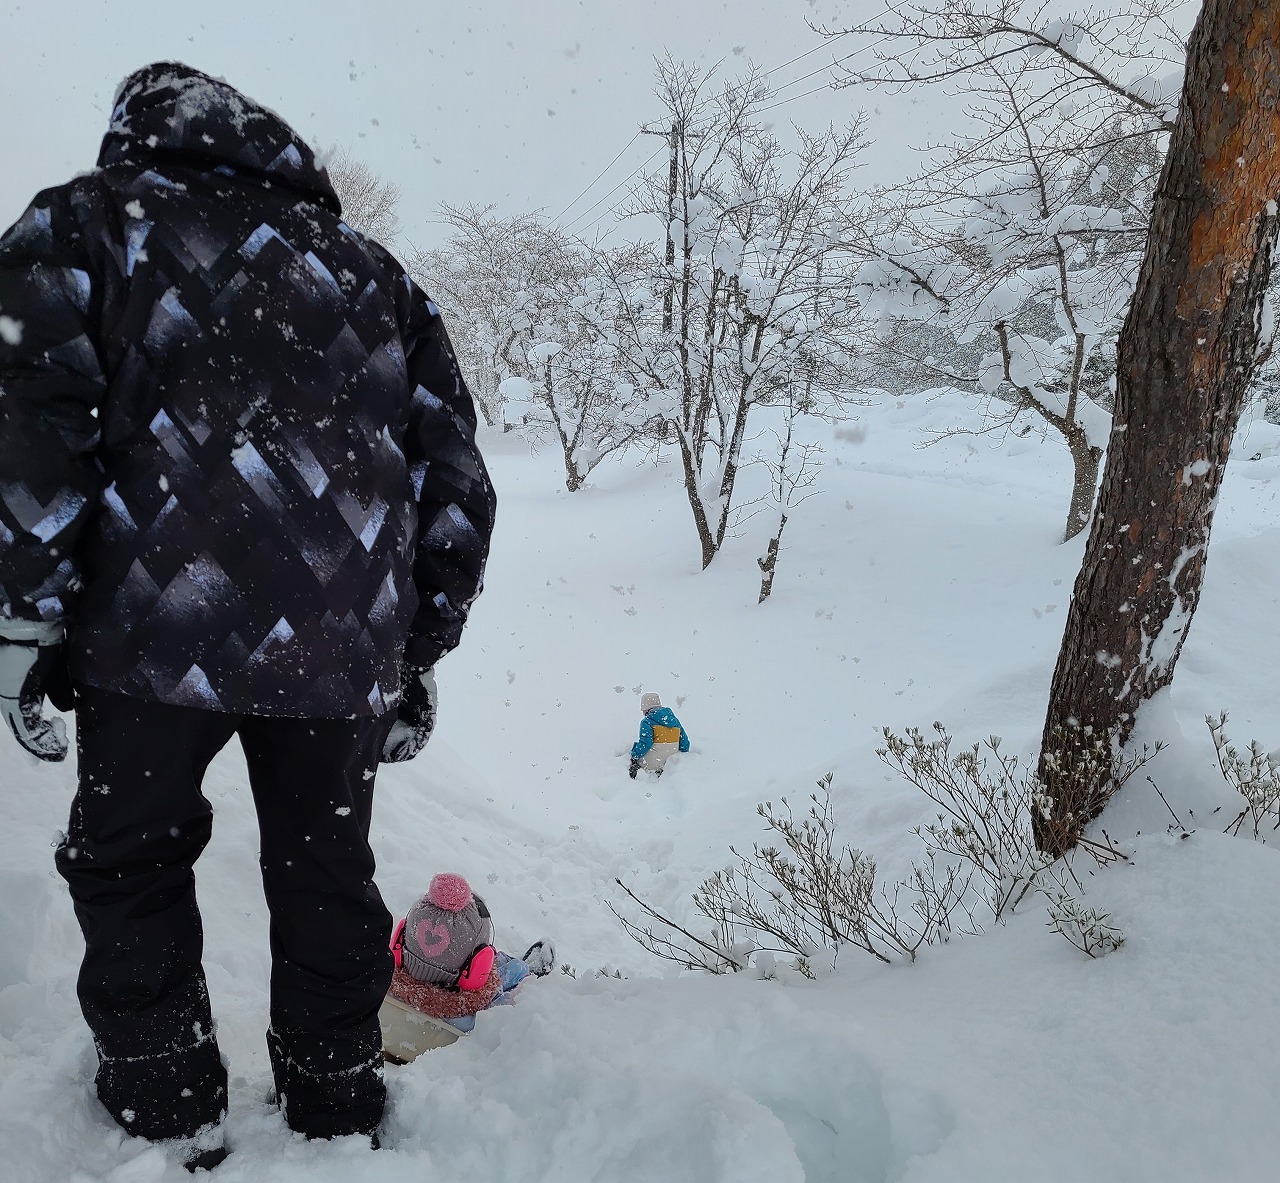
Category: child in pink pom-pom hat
[448,970]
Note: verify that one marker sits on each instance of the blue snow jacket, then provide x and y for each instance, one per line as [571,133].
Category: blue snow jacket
[511,972]
[660,725]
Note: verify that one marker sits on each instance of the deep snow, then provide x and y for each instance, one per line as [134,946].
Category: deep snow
[921,584]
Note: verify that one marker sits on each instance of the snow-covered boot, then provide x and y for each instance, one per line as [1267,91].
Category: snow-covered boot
[204,1150]
[540,957]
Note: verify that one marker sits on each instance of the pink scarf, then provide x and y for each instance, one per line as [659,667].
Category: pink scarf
[440,1003]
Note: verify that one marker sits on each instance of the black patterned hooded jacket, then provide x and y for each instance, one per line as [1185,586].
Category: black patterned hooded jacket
[236,453]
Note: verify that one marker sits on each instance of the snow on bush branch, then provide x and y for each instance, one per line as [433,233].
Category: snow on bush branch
[1255,777]
[811,895]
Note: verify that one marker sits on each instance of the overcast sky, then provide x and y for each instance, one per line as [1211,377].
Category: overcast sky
[519,104]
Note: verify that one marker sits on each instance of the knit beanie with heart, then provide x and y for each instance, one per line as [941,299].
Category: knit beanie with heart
[443,929]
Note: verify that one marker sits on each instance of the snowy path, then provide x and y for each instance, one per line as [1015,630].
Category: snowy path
[921,585]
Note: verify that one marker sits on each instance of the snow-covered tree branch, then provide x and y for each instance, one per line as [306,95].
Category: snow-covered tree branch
[1025,238]
[759,294]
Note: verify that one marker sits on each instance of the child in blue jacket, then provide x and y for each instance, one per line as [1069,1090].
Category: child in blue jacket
[661,735]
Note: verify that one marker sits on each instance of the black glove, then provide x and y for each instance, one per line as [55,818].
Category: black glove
[633,768]
[415,716]
[33,665]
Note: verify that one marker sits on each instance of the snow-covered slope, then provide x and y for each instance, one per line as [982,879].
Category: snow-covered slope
[922,584]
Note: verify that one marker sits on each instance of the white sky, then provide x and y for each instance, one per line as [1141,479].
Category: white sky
[519,104]
[515,103]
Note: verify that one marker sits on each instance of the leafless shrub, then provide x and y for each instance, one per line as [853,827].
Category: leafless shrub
[985,801]
[1087,929]
[808,896]
[812,895]
[1256,778]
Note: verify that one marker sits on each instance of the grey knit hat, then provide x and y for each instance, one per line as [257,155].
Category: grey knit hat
[443,929]
[649,702]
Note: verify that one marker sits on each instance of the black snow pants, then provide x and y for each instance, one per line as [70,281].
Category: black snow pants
[138,823]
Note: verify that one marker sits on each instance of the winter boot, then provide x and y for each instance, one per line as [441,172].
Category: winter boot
[540,957]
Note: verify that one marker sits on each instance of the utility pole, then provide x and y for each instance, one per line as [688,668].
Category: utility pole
[673,179]
[812,365]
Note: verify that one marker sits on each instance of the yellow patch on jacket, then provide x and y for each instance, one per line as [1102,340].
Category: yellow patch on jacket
[665,734]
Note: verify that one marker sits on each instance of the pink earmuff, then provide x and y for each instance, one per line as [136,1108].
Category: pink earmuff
[397,939]
[477,970]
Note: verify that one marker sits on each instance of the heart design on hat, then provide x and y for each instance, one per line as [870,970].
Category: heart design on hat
[424,930]
[443,929]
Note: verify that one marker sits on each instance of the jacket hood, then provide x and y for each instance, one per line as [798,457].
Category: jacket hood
[663,717]
[170,110]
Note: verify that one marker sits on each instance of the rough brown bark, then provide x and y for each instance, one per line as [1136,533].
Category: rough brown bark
[1085,461]
[1186,357]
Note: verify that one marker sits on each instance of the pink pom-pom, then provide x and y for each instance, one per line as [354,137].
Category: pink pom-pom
[450,892]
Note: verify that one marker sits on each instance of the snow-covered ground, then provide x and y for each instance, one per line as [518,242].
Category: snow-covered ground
[921,585]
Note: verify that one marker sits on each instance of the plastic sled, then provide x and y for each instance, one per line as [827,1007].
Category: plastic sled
[407,1033]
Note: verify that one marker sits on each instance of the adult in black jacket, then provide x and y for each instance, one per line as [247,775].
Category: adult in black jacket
[240,493]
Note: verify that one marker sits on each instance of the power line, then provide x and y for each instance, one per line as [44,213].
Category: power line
[594,179]
[807,52]
[794,97]
[791,99]
[772,106]
[790,62]
[835,62]
[636,172]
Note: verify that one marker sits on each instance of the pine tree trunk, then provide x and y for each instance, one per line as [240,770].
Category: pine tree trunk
[1186,357]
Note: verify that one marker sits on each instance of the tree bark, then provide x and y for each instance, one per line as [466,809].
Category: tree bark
[1186,357]
[1085,461]
[769,564]
[691,474]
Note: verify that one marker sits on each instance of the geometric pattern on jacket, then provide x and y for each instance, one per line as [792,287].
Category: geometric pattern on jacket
[236,453]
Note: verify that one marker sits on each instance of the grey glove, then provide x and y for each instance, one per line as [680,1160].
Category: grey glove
[31,666]
[415,716]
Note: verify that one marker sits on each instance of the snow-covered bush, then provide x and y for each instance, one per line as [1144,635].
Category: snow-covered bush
[1087,929]
[807,898]
[1255,777]
[985,801]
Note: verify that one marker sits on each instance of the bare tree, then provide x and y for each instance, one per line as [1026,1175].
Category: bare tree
[754,292]
[537,352]
[370,205]
[1186,356]
[793,477]
[1028,233]
[1128,54]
